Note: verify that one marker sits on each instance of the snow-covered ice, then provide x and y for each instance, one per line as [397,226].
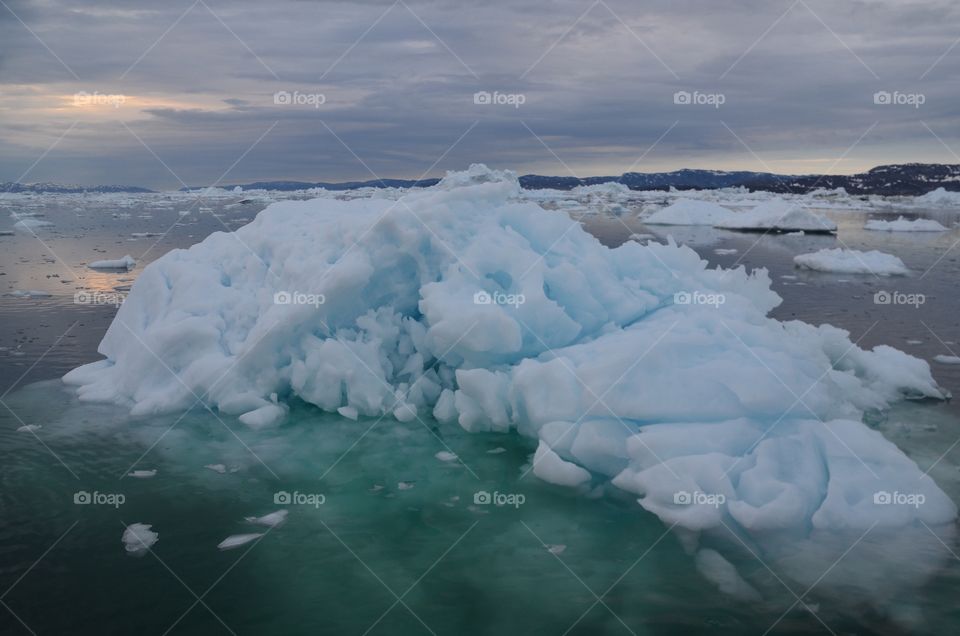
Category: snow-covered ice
[143,474]
[905,225]
[466,302]
[844,261]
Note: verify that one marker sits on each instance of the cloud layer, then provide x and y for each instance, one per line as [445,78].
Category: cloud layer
[161,94]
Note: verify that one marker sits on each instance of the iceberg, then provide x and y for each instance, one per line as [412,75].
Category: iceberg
[904,225]
[637,367]
[691,212]
[125,263]
[844,261]
[779,215]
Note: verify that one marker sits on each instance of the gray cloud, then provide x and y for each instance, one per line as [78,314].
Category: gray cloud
[399,94]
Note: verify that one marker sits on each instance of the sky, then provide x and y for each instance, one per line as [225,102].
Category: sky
[200,92]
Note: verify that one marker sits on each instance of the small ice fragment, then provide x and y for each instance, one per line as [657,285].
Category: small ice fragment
[947,359]
[348,412]
[237,540]
[556,548]
[126,263]
[217,468]
[143,474]
[138,537]
[271,520]
[914,342]
[29,428]
[446,456]
[405,412]
[264,416]
[404,485]
[724,251]
[497,450]
[376,488]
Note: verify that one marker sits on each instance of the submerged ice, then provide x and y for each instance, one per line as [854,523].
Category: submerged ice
[636,366]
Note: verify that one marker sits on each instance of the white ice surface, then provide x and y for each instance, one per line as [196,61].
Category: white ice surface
[778,215]
[844,261]
[904,225]
[691,212]
[127,262]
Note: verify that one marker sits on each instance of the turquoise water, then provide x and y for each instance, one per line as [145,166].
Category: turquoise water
[398,522]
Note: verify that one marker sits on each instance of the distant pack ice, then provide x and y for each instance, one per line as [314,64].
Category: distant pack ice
[636,366]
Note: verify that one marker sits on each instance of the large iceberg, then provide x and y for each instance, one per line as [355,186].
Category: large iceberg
[636,366]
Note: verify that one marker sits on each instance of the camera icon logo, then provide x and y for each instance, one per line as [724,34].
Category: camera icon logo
[682,298]
[482,298]
[282,298]
[82,497]
[682,97]
[882,97]
[882,297]
[682,498]
[482,498]
[482,97]
[282,98]
[882,497]
[282,498]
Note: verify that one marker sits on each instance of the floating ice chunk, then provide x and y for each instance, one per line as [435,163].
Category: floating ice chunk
[266,415]
[404,485]
[944,359]
[641,237]
[690,212]
[845,261]
[237,540]
[721,251]
[217,468]
[446,456]
[30,293]
[143,474]
[125,263]
[778,215]
[138,538]
[271,520]
[348,412]
[405,412]
[940,197]
[556,548]
[497,450]
[904,225]
[29,224]
[550,467]
[30,428]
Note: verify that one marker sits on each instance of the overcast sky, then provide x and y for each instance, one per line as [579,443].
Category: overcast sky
[163,93]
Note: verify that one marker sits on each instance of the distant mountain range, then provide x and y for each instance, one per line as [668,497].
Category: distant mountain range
[892,180]
[59,188]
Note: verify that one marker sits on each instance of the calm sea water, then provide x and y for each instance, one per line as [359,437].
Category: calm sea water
[400,545]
